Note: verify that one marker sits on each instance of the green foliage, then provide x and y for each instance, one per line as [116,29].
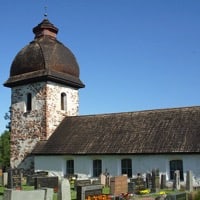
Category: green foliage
[7,117]
[5,150]
[197,196]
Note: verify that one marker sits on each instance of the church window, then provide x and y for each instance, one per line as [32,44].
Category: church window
[176,165]
[63,101]
[97,168]
[126,167]
[29,102]
[70,167]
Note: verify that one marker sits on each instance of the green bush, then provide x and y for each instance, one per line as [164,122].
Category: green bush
[197,196]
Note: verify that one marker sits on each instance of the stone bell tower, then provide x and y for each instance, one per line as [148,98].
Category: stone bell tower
[44,82]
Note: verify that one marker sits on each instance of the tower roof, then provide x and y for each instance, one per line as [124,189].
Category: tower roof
[45,58]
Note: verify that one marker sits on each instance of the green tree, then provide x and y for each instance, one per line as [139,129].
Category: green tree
[7,117]
[5,150]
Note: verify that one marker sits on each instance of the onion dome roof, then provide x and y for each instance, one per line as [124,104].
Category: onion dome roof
[45,58]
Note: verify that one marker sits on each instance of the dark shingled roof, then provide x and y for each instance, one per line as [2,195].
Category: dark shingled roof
[174,130]
[44,59]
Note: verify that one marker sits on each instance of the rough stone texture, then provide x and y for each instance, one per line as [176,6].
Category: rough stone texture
[27,128]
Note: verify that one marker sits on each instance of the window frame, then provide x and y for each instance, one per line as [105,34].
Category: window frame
[70,167]
[176,165]
[126,167]
[97,167]
[29,102]
[63,101]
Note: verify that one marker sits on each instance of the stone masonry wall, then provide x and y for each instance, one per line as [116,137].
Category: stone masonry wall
[27,128]
[54,114]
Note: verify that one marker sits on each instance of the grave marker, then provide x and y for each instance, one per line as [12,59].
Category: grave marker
[177,196]
[163,181]
[189,181]
[64,192]
[138,184]
[149,181]
[155,180]
[118,185]
[46,182]
[176,184]
[14,179]
[90,190]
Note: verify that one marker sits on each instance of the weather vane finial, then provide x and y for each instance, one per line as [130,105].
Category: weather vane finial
[45,10]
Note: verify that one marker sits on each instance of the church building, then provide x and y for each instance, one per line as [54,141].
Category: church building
[48,134]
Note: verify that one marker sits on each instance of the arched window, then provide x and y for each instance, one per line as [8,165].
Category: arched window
[29,102]
[63,101]
[70,167]
[176,165]
[97,168]
[126,167]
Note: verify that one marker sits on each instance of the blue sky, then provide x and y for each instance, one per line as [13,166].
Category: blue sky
[133,54]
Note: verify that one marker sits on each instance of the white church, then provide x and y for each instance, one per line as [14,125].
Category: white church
[48,134]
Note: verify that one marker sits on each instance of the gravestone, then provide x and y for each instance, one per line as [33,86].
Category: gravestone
[148,181]
[82,182]
[155,180]
[138,184]
[176,183]
[1,177]
[102,179]
[44,194]
[163,181]
[189,181]
[31,176]
[177,196]
[131,187]
[5,179]
[83,192]
[64,192]
[14,179]
[46,182]
[118,185]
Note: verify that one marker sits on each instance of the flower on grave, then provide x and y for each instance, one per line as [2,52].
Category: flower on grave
[162,193]
[146,191]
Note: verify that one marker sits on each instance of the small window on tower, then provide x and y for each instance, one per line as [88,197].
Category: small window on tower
[29,102]
[63,101]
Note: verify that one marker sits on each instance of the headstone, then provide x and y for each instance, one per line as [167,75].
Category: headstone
[138,184]
[30,176]
[177,196]
[1,177]
[102,179]
[155,180]
[176,183]
[5,179]
[149,181]
[14,179]
[189,181]
[64,192]
[44,194]
[131,187]
[118,185]
[83,192]
[107,177]
[163,181]
[82,182]
[46,182]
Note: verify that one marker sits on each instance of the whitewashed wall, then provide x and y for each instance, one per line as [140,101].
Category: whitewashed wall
[140,163]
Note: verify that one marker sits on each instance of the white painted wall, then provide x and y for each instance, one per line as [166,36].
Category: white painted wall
[140,163]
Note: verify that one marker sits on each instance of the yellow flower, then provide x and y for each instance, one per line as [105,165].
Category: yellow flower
[146,191]
[162,193]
